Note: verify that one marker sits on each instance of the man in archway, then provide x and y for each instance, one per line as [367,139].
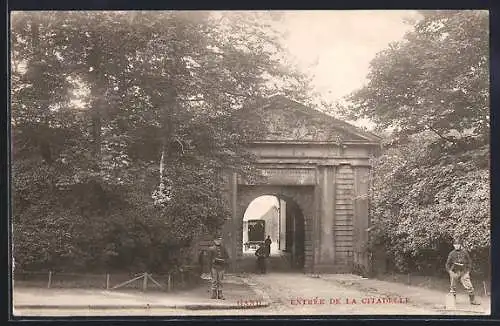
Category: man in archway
[267,244]
[218,259]
[261,259]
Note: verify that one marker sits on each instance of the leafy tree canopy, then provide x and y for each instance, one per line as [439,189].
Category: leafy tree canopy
[432,91]
[123,126]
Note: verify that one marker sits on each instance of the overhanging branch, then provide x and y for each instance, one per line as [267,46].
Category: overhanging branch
[448,139]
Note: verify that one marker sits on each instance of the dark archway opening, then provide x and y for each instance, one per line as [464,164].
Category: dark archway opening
[295,236]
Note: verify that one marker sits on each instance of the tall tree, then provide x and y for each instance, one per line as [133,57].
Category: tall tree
[432,90]
[132,91]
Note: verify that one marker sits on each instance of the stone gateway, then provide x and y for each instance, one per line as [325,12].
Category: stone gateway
[319,167]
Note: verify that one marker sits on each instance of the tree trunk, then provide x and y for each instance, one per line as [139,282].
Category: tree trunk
[96,131]
[169,104]
[38,67]
[35,34]
[162,162]
[97,90]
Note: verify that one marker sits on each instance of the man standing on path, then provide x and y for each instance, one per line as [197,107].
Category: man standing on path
[458,265]
[218,259]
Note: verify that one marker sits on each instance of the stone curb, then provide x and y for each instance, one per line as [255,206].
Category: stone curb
[143,306]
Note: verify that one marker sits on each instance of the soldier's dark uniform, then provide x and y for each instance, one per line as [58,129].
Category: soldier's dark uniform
[458,266]
[218,259]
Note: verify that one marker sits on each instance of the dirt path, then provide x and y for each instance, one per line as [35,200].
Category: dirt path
[300,294]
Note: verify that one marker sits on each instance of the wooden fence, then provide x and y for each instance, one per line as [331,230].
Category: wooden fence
[109,281]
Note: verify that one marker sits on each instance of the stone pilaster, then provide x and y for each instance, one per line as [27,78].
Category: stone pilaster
[327,186]
[361,218]
[231,224]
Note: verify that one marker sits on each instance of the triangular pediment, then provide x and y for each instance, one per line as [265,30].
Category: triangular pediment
[284,119]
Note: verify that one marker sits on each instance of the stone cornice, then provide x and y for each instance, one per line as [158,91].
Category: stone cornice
[308,142]
[313,164]
[291,163]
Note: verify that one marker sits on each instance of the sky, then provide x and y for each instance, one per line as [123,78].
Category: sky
[260,206]
[335,48]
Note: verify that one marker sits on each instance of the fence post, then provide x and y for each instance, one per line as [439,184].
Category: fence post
[145,282]
[50,280]
[409,280]
[107,281]
[169,282]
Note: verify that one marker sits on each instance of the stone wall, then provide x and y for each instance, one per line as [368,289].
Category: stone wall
[344,213]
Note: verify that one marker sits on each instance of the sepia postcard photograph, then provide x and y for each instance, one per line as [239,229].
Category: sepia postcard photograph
[258,163]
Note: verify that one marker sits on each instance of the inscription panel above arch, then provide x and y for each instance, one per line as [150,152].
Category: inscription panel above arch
[284,176]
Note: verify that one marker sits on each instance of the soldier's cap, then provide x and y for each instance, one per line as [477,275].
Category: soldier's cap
[457,240]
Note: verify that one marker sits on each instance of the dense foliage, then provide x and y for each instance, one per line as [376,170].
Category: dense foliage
[432,181]
[122,124]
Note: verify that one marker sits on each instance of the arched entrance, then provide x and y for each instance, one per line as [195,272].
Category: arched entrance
[286,219]
[280,219]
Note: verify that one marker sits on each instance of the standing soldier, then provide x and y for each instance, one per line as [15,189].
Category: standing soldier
[458,265]
[218,259]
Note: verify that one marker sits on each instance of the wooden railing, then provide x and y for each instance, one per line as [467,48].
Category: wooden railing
[170,281]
